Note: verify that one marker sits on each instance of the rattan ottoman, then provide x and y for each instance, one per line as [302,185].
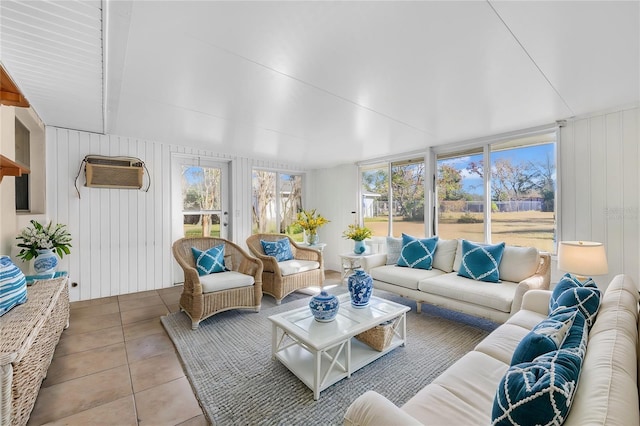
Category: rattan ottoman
[29,334]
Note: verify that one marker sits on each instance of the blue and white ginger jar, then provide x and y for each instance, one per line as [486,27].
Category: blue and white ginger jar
[324,307]
[46,262]
[360,285]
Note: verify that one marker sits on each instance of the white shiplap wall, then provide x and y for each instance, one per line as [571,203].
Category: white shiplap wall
[122,238]
[600,187]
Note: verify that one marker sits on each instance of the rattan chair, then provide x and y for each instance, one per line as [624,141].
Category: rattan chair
[274,282]
[199,304]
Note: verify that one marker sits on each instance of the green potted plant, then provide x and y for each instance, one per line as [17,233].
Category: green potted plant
[44,243]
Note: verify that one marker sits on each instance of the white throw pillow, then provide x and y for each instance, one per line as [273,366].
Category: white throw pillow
[518,263]
[445,255]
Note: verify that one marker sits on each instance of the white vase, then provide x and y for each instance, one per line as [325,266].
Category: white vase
[46,262]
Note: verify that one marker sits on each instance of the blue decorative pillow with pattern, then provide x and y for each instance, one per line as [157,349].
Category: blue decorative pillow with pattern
[541,392]
[210,261]
[481,262]
[13,285]
[548,335]
[416,252]
[280,249]
[571,293]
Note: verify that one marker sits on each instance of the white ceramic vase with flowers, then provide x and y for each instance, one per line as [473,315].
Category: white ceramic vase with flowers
[44,244]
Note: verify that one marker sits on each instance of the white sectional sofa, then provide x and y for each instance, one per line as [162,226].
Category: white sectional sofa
[607,390]
[521,269]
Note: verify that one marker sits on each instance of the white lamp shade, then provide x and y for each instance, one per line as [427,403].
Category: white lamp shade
[586,258]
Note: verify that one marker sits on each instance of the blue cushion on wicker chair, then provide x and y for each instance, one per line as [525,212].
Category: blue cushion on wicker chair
[280,249]
[210,261]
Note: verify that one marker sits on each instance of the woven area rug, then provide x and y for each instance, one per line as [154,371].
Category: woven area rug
[228,362]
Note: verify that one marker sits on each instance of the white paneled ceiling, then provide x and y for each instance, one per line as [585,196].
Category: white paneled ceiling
[53,50]
[321,83]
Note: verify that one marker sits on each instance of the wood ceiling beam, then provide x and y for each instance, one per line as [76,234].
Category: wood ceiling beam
[9,92]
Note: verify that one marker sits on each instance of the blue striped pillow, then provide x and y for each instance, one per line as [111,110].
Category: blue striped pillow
[13,285]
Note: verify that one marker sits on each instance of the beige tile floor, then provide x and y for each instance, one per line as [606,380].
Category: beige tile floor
[115,365]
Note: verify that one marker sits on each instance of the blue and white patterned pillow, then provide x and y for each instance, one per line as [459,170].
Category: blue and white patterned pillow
[280,249]
[13,285]
[548,335]
[210,261]
[481,262]
[417,253]
[570,293]
[541,392]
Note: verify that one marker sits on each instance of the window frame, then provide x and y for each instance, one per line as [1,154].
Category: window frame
[485,144]
[278,192]
[389,164]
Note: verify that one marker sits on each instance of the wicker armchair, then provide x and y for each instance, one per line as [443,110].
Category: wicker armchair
[274,282]
[200,304]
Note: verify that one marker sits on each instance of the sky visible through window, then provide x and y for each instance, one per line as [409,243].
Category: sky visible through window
[472,183]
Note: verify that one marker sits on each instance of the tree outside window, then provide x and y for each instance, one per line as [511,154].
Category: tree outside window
[277,199]
[522,182]
[201,196]
[393,202]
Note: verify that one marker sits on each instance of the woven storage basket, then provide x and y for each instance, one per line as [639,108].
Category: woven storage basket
[378,337]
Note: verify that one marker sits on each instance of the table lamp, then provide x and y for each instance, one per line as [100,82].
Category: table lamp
[582,258]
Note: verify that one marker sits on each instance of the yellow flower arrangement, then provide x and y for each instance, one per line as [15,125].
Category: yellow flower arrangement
[310,221]
[357,233]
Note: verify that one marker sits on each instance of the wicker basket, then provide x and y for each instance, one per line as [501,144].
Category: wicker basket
[378,337]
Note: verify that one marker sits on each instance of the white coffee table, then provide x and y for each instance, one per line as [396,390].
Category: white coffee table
[321,354]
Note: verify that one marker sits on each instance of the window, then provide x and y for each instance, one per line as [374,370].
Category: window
[460,192]
[277,199]
[23,156]
[202,200]
[393,197]
[513,200]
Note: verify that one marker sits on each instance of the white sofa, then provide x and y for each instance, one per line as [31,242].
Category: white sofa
[521,269]
[607,391]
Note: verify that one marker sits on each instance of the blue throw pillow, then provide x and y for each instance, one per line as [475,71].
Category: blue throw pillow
[547,336]
[13,285]
[541,392]
[280,249]
[571,294]
[481,262]
[210,261]
[417,253]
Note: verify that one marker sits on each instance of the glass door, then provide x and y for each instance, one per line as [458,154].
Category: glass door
[199,200]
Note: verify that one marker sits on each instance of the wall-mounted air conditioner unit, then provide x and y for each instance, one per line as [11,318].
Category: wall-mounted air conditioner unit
[113,172]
